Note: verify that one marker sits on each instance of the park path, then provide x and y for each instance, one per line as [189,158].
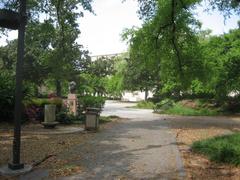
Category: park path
[142,147]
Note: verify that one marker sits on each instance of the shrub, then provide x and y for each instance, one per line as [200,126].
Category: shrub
[64,117]
[164,105]
[91,101]
[41,102]
[34,108]
[7,88]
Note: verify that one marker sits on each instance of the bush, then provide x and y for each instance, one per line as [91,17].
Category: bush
[179,109]
[164,105]
[223,149]
[186,108]
[34,108]
[91,101]
[64,117]
[41,102]
[7,88]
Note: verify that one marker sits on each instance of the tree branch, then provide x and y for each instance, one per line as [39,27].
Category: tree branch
[174,36]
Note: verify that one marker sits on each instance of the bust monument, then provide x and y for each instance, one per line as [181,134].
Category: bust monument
[72,87]
[72,98]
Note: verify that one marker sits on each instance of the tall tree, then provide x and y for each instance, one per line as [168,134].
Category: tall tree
[63,15]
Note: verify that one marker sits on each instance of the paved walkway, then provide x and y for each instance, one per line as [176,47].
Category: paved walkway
[141,147]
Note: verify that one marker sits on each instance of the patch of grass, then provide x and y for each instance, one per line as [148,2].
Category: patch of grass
[113,116]
[145,105]
[178,109]
[223,149]
[105,119]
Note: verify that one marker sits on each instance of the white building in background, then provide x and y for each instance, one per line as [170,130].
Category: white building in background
[96,57]
[135,96]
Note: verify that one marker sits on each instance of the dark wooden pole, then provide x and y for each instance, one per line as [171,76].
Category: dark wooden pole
[15,165]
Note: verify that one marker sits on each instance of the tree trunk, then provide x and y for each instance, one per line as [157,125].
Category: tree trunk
[146,94]
[58,88]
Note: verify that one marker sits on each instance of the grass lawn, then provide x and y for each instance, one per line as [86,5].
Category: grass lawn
[222,149]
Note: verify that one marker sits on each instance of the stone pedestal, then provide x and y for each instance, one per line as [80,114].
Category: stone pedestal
[50,116]
[72,104]
[5,171]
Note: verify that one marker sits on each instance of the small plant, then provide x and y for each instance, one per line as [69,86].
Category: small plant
[164,105]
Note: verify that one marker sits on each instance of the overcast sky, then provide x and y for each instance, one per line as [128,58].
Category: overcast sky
[100,33]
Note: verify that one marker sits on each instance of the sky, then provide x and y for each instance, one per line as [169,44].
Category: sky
[100,33]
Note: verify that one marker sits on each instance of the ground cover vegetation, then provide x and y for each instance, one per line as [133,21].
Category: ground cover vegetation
[221,149]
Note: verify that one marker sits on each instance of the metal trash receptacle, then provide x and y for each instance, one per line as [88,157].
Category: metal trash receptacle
[92,119]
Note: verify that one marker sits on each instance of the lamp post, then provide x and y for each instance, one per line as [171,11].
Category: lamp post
[13,20]
[15,165]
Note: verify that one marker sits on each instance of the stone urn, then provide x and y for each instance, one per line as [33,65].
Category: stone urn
[49,116]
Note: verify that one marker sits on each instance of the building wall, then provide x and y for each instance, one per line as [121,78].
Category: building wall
[135,96]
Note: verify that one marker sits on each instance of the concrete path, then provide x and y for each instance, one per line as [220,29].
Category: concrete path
[141,147]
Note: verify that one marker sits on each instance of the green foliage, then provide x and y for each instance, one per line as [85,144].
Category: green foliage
[95,79]
[222,64]
[199,108]
[164,105]
[164,52]
[7,88]
[171,55]
[223,149]
[64,117]
[41,102]
[7,93]
[105,119]
[51,48]
[115,82]
[145,105]
[179,109]
[91,101]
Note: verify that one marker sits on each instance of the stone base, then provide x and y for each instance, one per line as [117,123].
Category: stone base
[49,125]
[6,171]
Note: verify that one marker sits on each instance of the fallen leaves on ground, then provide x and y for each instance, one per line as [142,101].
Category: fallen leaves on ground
[35,148]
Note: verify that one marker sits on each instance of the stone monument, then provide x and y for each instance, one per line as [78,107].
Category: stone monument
[49,116]
[72,99]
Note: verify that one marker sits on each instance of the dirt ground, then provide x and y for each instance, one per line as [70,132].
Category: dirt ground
[41,151]
[190,129]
